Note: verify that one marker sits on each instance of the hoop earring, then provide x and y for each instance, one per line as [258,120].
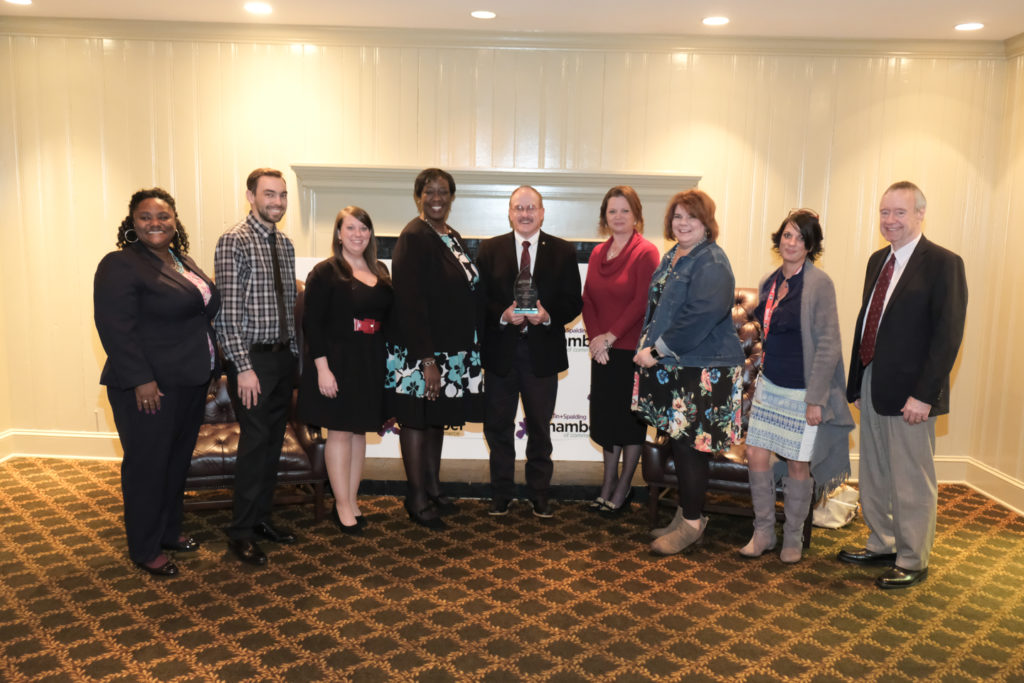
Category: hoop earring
[134,236]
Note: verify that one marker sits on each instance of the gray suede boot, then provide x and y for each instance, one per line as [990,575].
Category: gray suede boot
[676,521]
[762,495]
[798,494]
[679,539]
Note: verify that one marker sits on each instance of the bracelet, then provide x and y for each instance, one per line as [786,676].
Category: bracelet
[428,362]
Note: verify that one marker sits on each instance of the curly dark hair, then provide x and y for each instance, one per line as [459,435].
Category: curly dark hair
[180,242]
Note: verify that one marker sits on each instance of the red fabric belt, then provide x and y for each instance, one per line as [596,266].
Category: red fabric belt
[367,326]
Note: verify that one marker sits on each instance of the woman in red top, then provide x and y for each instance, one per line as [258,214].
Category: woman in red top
[614,300]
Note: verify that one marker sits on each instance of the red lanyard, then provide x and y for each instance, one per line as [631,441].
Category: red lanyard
[769,308]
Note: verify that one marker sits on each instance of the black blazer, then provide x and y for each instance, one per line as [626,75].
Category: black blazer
[919,334]
[557,277]
[436,308]
[152,321]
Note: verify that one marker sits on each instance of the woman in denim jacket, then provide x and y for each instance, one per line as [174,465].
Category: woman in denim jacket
[689,384]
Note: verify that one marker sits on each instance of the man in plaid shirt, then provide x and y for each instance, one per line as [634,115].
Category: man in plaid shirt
[255,272]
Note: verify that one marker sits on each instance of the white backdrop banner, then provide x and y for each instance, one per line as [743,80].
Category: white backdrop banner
[570,424]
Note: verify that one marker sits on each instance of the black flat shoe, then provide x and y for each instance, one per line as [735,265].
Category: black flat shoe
[350,529]
[866,557]
[186,545]
[247,551]
[897,577]
[361,521]
[444,504]
[168,568]
[274,534]
[610,511]
[435,523]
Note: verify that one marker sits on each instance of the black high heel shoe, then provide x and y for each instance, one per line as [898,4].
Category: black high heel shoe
[168,568]
[351,530]
[435,523]
[444,504]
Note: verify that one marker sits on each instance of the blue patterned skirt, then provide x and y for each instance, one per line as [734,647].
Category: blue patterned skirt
[703,406]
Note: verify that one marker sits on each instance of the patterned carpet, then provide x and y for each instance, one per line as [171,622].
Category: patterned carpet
[576,598]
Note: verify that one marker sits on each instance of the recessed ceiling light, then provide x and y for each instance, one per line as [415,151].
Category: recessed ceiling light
[715,21]
[482,14]
[969,26]
[258,8]
[19,2]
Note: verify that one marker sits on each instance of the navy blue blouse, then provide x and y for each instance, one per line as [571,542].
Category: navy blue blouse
[783,348]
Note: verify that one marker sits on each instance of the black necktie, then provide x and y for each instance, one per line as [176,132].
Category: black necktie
[282,318]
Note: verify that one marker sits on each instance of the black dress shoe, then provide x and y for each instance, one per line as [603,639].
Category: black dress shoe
[444,504]
[272,533]
[427,517]
[350,529]
[866,557]
[499,507]
[542,508]
[168,568]
[897,577]
[187,545]
[247,551]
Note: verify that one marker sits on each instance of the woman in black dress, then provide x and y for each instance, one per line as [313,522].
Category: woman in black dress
[348,296]
[434,377]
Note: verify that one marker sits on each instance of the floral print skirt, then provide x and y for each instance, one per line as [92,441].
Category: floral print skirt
[461,396]
[703,406]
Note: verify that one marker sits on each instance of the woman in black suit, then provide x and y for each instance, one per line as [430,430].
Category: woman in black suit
[434,376]
[154,311]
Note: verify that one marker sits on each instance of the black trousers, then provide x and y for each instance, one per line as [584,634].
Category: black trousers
[262,434]
[502,394]
[157,453]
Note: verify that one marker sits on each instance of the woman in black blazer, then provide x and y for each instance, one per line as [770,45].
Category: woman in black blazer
[434,376]
[154,311]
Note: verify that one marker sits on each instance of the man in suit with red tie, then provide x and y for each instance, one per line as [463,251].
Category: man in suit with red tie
[525,350]
[907,337]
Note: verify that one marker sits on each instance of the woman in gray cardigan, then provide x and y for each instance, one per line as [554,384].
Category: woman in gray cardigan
[799,411]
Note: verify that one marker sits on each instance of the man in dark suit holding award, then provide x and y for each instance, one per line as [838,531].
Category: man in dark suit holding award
[533,291]
[908,333]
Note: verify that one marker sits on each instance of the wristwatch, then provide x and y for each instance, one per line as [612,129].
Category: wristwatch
[655,353]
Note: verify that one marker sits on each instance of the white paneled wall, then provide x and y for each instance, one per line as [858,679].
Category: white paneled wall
[90,112]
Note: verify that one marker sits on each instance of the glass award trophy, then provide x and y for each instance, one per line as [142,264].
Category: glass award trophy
[525,293]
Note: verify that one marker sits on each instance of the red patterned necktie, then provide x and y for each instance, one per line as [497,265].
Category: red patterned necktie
[867,342]
[524,265]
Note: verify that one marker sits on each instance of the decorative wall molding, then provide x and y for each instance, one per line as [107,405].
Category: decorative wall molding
[572,199]
[477,40]
[1014,46]
[59,444]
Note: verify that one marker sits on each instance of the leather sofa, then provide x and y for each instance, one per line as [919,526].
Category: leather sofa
[301,474]
[728,469]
